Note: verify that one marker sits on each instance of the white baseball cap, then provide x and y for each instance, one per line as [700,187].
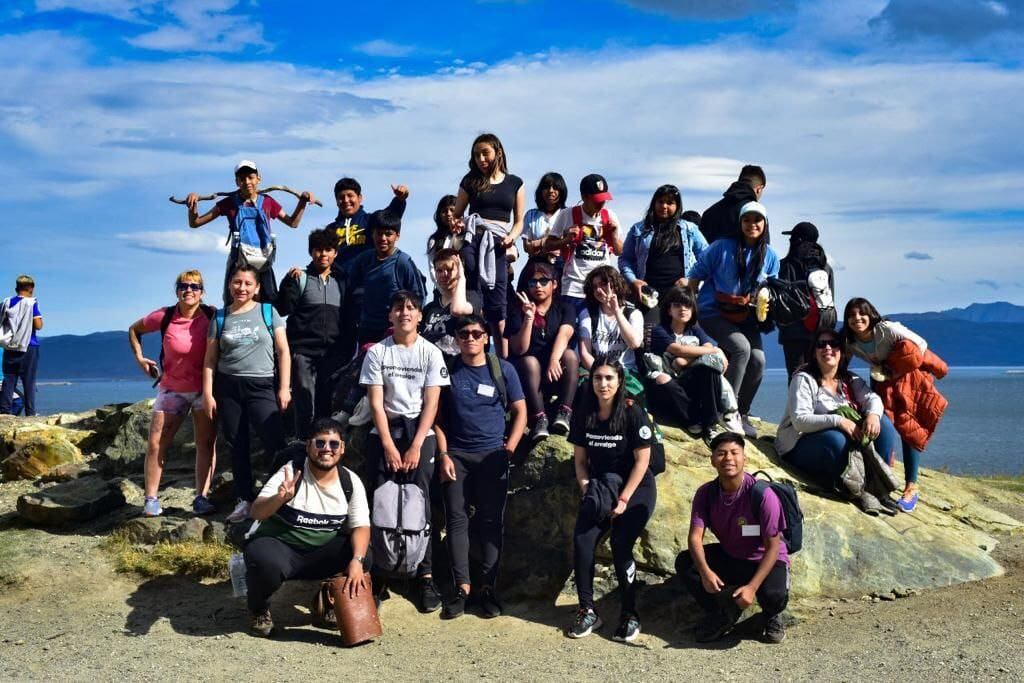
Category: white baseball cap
[753,207]
[246,163]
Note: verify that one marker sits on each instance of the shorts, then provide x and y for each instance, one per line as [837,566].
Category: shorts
[177,402]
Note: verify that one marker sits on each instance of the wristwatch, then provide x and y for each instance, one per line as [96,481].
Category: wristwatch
[361,559]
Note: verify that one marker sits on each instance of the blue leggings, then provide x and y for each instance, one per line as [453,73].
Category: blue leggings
[823,455]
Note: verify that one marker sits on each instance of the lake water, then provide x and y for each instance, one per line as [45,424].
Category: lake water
[981,433]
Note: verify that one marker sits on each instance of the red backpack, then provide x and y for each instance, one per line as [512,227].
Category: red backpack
[607,230]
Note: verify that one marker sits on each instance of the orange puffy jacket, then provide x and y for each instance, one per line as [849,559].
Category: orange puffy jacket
[911,400]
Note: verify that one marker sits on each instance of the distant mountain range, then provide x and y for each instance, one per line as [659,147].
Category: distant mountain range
[980,334]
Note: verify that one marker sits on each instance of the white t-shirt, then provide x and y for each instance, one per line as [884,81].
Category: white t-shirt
[322,504]
[607,338]
[537,224]
[588,254]
[404,372]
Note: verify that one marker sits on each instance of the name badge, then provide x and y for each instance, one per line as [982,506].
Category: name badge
[750,530]
[485,390]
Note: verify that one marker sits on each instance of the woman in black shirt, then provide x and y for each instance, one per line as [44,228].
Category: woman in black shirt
[612,437]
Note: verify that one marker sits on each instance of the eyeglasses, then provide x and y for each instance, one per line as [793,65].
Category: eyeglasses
[464,335]
[829,343]
[539,281]
[333,444]
[189,286]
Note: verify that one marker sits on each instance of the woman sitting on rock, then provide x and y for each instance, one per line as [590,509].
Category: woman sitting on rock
[612,440]
[903,373]
[830,412]
[239,389]
[609,325]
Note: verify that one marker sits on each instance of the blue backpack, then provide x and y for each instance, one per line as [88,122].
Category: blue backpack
[252,239]
[265,309]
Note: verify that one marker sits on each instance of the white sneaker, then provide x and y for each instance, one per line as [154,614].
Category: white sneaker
[240,512]
[749,430]
[732,422]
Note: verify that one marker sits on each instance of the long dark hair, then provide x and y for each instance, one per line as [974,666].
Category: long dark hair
[810,365]
[478,182]
[677,295]
[864,307]
[555,181]
[442,230]
[588,408]
[667,235]
[748,277]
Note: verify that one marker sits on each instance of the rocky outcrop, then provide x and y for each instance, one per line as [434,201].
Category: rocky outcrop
[72,502]
[38,452]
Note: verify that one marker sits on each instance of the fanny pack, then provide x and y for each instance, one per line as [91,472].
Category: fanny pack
[733,307]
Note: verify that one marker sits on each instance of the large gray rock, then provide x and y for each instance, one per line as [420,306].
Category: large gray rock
[72,502]
[122,435]
[39,452]
[164,529]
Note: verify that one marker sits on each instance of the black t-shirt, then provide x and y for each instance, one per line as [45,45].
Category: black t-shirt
[612,452]
[497,203]
[438,324]
[664,268]
[545,327]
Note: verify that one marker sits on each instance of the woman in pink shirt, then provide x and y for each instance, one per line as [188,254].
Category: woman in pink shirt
[179,375]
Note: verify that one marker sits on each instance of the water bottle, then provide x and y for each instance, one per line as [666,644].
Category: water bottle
[236,568]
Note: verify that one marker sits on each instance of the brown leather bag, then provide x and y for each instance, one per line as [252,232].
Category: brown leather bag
[355,618]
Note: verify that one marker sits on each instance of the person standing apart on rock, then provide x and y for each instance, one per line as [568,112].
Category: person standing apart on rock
[903,373]
[476,446]
[403,376]
[314,524]
[731,270]
[612,439]
[496,202]
[750,559]
[183,330]
[20,315]
[247,380]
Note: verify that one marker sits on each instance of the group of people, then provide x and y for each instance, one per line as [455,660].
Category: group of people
[602,328]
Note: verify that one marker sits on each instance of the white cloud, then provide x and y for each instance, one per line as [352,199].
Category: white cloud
[384,48]
[175,241]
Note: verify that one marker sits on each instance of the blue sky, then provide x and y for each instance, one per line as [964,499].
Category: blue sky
[891,124]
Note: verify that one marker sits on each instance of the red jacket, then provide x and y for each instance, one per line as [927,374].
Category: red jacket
[911,400]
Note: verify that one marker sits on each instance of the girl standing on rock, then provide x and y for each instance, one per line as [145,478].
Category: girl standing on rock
[612,439]
[239,371]
[179,374]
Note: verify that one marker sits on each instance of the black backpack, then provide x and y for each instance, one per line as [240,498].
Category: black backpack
[786,493]
[165,322]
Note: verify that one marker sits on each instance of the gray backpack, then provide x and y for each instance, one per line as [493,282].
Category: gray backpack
[400,530]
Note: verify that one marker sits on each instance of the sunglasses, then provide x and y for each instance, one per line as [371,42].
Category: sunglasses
[539,281]
[332,444]
[829,343]
[189,286]
[475,334]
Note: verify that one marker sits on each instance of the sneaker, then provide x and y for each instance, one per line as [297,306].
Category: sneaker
[628,630]
[711,432]
[201,505]
[869,504]
[774,630]
[587,621]
[889,506]
[262,625]
[430,599]
[908,504]
[240,512]
[713,626]
[749,430]
[540,428]
[456,607]
[490,606]
[561,423]
[694,430]
[151,508]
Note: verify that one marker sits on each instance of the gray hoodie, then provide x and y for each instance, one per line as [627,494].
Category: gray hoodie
[19,321]
[809,408]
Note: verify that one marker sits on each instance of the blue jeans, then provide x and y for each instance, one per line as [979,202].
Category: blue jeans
[823,455]
[24,365]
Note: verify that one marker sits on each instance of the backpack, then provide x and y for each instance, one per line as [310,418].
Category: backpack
[399,528]
[218,318]
[165,322]
[786,493]
[494,366]
[252,238]
[577,219]
[822,315]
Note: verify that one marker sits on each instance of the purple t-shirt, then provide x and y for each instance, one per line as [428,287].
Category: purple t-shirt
[731,517]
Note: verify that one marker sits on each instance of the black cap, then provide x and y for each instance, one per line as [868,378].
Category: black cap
[803,232]
[595,187]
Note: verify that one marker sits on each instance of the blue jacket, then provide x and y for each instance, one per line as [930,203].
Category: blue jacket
[373,282]
[716,267]
[633,261]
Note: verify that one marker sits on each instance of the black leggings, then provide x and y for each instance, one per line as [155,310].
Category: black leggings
[269,562]
[772,596]
[481,481]
[533,377]
[692,398]
[241,402]
[625,530]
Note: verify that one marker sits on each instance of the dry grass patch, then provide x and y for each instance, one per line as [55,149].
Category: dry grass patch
[207,560]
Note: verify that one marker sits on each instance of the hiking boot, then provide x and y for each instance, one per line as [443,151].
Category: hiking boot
[540,428]
[240,512]
[587,621]
[456,607]
[749,430]
[869,504]
[628,630]
[490,606]
[713,626]
[430,599]
[774,630]
[201,505]
[561,423]
[151,508]
[261,625]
